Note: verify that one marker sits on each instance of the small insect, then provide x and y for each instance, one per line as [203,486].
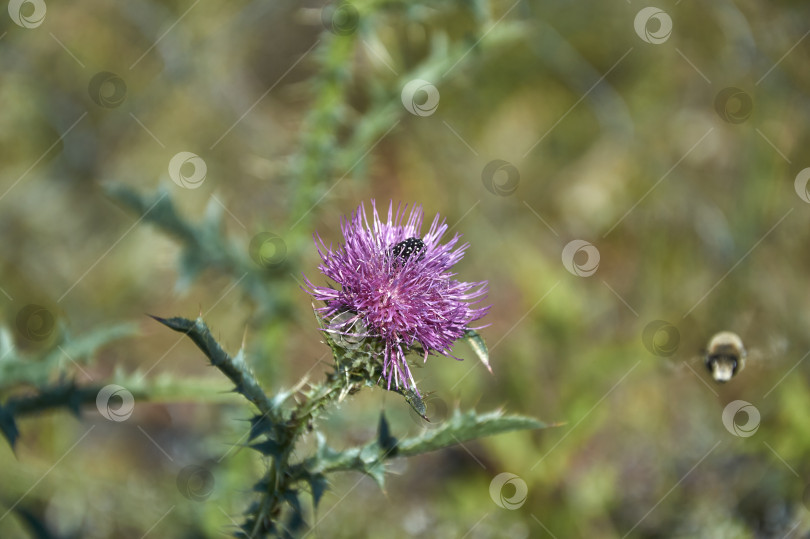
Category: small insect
[406,248]
[725,356]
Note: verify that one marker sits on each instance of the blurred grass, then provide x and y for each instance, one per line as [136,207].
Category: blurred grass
[293,140]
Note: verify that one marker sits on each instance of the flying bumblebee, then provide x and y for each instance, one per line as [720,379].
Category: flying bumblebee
[725,356]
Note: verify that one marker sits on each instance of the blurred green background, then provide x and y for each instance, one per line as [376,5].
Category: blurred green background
[611,127]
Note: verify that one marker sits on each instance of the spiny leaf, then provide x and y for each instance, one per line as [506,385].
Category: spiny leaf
[16,369]
[84,346]
[318,485]
[259,424]
[263,486]
[323,452]
[367,459]
[269,448]
[63,395]
[476,342]
[372,462]
[8,426]
[385,440]
[157,209]
[204,245]
[295,520]
[237,371]
[168,387]
[462,427]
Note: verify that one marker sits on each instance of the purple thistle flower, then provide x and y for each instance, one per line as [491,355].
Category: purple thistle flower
[399,285]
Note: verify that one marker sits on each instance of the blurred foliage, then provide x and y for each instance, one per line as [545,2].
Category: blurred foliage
[46,373]
[298,115]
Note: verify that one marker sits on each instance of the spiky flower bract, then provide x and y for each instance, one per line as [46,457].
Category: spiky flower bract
[398,284]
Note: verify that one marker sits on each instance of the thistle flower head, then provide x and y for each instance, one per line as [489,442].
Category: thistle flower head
[398,284]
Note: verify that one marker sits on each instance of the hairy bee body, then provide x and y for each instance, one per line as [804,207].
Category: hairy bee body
[725,356]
